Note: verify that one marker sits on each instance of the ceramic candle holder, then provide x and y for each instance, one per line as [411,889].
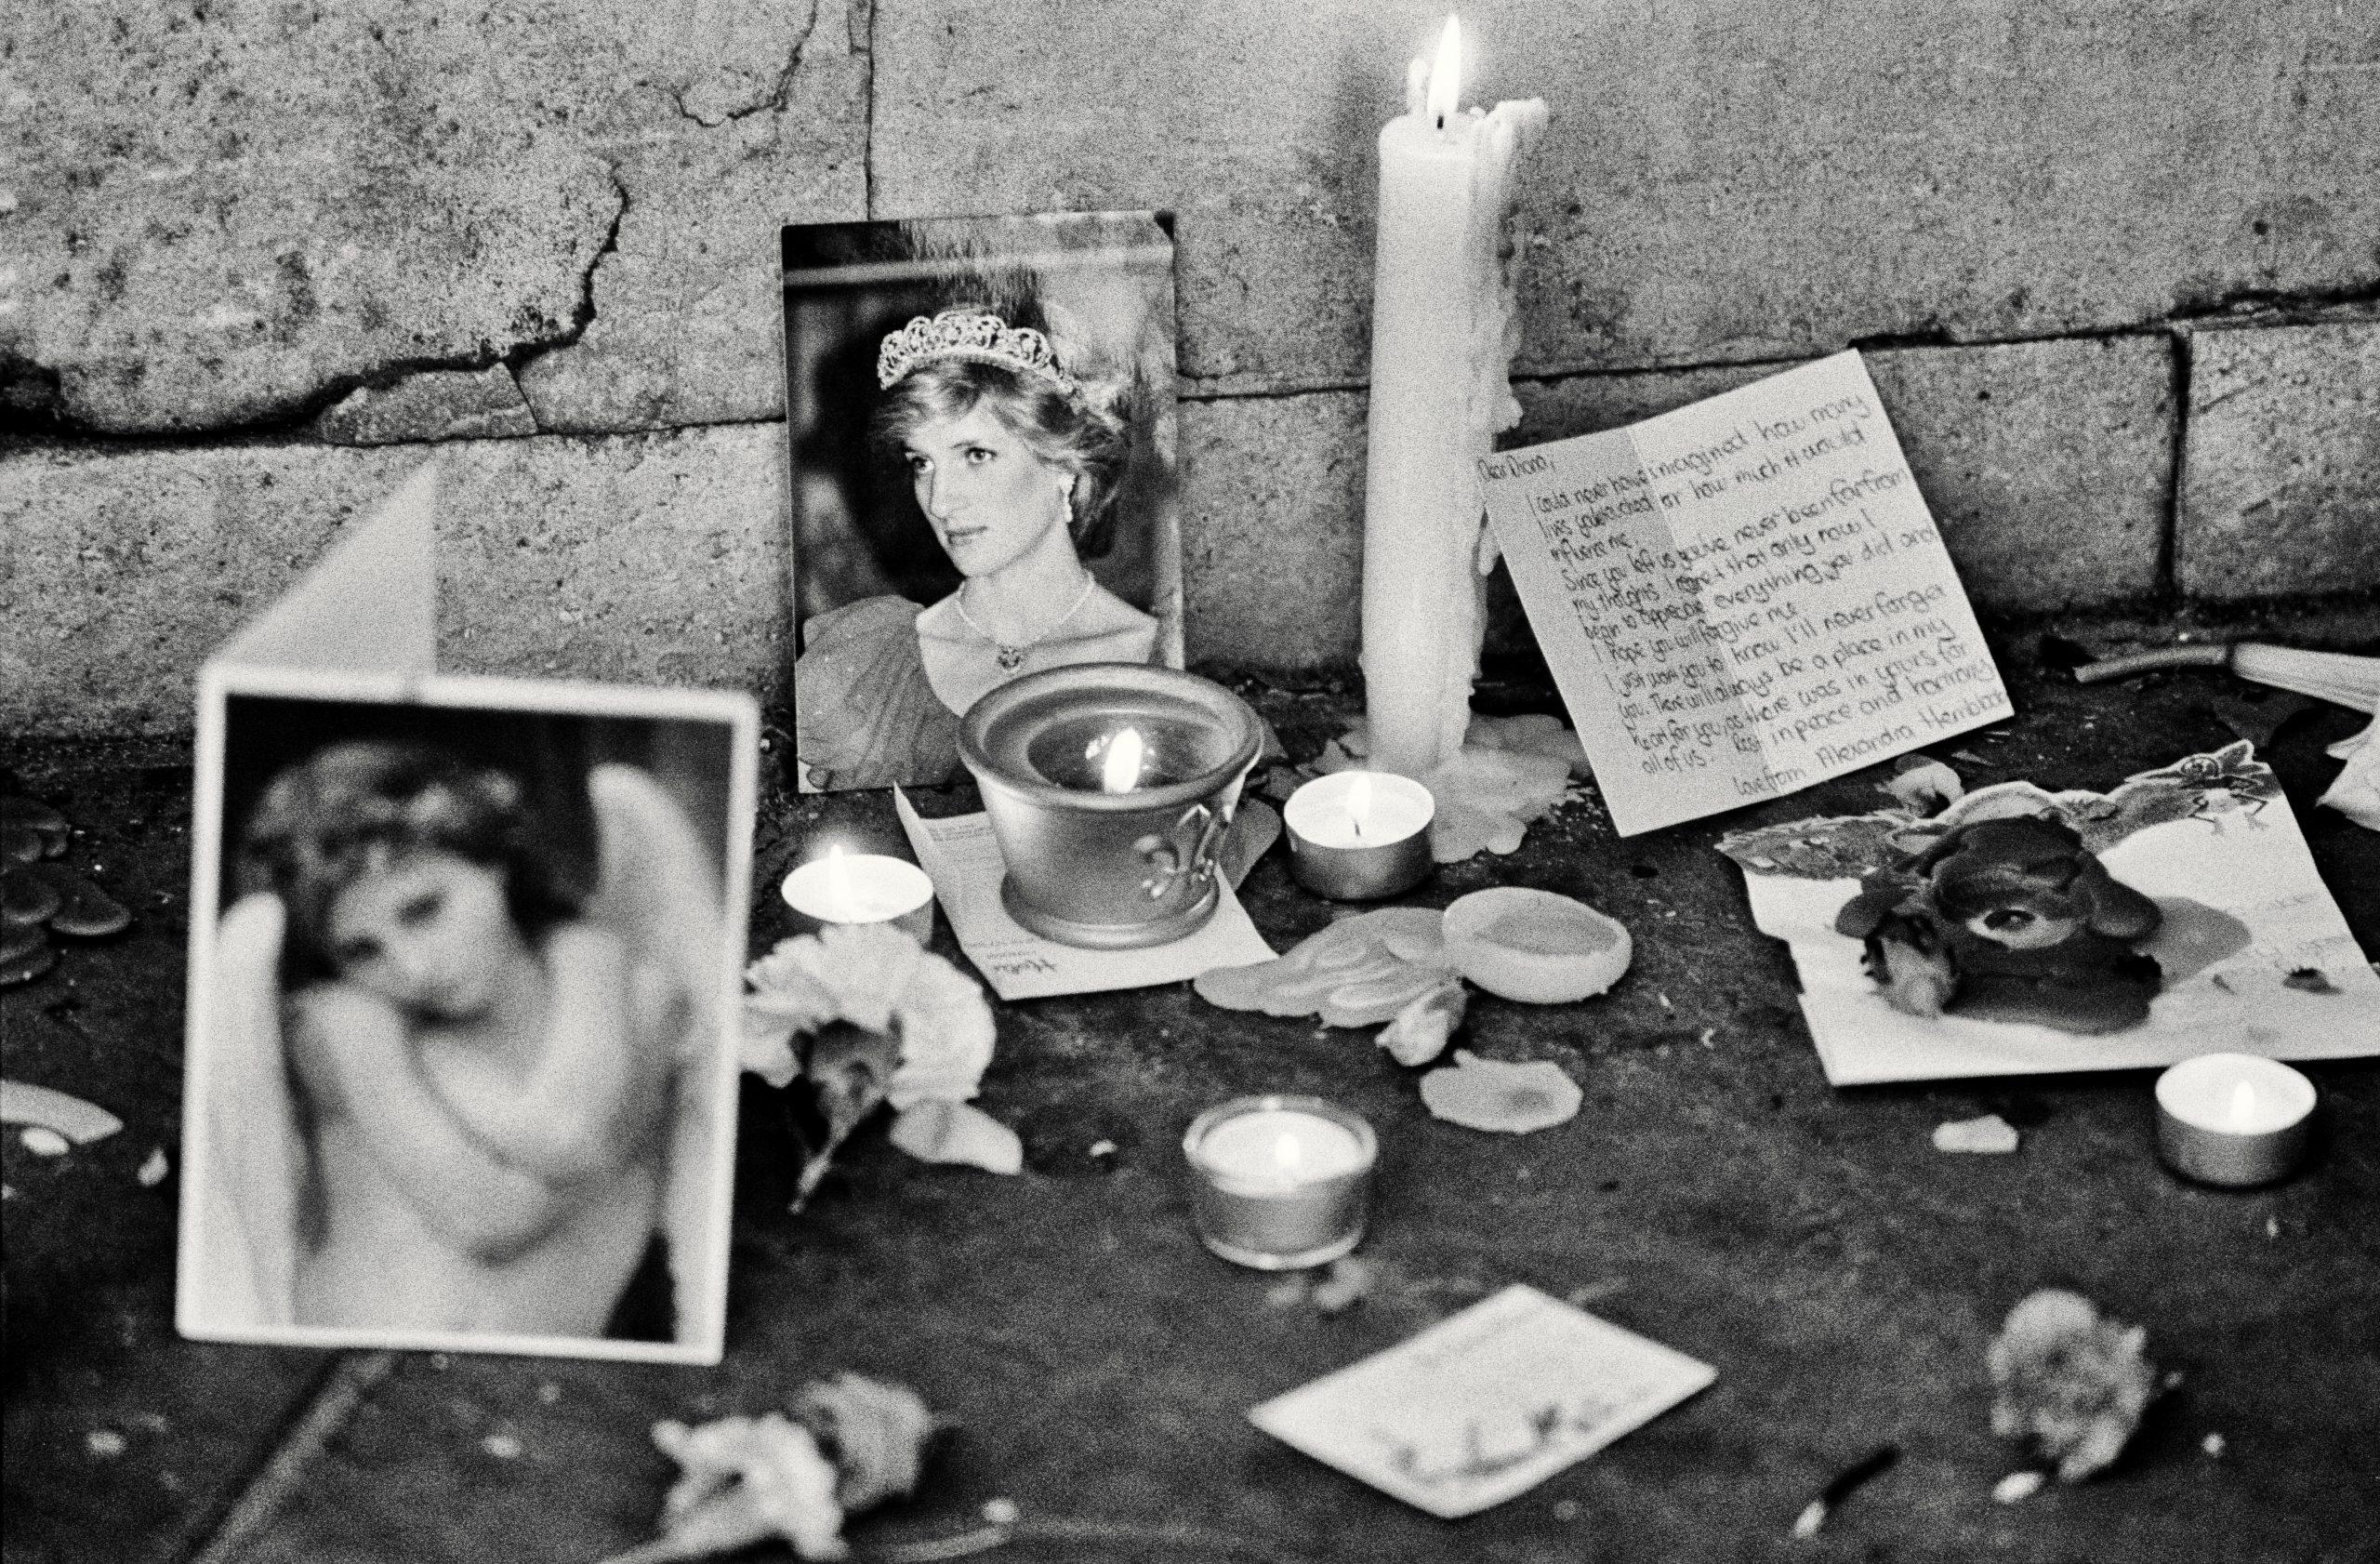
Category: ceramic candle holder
[1360,835]
[2234,1118]
[1109,785]
[1279,1183]
[860,888]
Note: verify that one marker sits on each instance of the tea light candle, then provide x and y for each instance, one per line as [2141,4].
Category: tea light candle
[861,888]
[1280,1183]
[1360,835]
[2234,1118]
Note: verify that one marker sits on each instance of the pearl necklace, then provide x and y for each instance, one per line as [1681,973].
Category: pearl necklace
[1011,658]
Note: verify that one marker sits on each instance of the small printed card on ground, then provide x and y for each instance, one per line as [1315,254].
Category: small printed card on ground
[1485,1405]
[962,859]
[1742,597]
[2249,953]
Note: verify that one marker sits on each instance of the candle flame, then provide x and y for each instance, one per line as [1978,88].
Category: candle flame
[1286,1154]
[2243,1106]
[1446,76]
[1121,773]
[1359,802]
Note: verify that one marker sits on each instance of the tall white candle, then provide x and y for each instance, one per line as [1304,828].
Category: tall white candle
[1443,334]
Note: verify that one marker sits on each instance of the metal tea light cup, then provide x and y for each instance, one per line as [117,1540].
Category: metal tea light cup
[1330,859]
[2195,1132]
[1278,1224]
[1110,869]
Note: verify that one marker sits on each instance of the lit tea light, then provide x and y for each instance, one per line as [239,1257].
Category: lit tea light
[1360,835]
[1280,1183]
[2234,1118]
[860,888]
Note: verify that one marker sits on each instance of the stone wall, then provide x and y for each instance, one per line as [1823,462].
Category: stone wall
[2117,270]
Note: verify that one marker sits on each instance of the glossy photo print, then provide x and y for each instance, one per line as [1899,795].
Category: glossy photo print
[984,472]
[461,1059]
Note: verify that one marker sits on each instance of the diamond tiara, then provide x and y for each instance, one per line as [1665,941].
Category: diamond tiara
[963,334]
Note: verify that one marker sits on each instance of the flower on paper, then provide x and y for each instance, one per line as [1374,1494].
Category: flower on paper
[1492,1094]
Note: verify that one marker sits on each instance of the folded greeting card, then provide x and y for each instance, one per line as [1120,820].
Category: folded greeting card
[1742,597]
[1485,1405]
[465,959]
[2025,932]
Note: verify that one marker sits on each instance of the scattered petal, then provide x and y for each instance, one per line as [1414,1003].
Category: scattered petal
[2355,793]
[1287,1292]
[2213,1445]
[747,1480]
[84,910]
[1349,1280]
[43,1141]
[1925,784]
[105,1442]
[1990,1135]
[877,1431]
[1102,1148]
[1418,1033]
[504,1446]
[38,817]
[2017,1487]
[153,1170]
[25,897]
[2069,1381]
[937,1131]
[1492,1094]
[1001,1512]
[1358,972]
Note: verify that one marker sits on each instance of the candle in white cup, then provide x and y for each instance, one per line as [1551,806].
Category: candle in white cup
[1280,1183]
[2234,1118]
[1442,344]
[1360,835]
[841,887]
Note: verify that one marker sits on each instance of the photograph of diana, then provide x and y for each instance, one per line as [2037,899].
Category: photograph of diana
[981,419]
[461,1070]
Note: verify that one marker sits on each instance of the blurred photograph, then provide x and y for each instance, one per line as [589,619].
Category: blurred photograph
[460,1058]
[982,451]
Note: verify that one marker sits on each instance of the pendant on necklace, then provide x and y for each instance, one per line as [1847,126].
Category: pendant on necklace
[1011,658]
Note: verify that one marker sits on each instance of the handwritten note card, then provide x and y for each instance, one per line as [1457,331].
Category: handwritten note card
[1742,597]
[962,859]
[1485,1405]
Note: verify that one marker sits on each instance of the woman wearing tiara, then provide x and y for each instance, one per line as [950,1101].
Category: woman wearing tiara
[1015,468]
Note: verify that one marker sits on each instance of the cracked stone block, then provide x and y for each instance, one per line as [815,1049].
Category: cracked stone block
[440,404]
[2281,462]
[2047,464]
[1272,530]
[1717,183]
[229,215]
[687,326]
[640,558]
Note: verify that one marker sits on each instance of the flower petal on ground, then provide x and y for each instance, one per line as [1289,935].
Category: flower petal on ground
[940,1130]
[1492,1094]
